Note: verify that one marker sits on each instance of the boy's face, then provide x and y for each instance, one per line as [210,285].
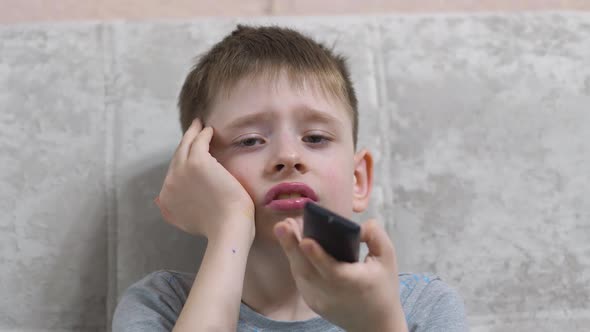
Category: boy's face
[270,133]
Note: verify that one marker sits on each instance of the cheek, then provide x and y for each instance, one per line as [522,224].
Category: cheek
[243,171]
[334,178]
[337,172]
[337,183]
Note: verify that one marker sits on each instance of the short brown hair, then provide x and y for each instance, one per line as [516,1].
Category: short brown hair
[264,50]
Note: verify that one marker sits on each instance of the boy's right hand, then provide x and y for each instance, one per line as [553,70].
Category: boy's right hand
[199,195]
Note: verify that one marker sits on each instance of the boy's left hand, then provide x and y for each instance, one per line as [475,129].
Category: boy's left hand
[362,296]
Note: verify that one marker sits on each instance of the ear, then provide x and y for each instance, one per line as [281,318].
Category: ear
[363,180]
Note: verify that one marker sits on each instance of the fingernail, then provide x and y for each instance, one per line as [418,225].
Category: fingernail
[280,232]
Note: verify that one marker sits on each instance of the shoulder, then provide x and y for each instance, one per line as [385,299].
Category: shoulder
[156,299]
[430,303]
[165,279]
[420,286]
[161,284]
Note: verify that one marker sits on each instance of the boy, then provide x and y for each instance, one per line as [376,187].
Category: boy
[270,122]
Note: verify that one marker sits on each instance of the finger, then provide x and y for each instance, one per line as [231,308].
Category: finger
[200,145]
[327,266]
[378,242]
[297,228]
[183,149]
[300,266]
[163,210]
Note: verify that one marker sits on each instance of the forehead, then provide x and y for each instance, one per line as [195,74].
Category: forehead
[277,93]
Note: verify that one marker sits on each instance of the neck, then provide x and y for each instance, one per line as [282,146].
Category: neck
[269,287]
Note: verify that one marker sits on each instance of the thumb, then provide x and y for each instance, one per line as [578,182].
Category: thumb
[377,239]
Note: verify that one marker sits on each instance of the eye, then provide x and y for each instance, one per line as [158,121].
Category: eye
[249,141]
[316,139]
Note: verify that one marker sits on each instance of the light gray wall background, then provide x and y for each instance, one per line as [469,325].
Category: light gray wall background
[480,125]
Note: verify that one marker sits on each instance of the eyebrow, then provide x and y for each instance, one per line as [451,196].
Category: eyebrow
[318,116]
[305,114]
[249,120]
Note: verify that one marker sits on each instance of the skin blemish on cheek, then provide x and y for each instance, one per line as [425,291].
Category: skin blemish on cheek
[233,250]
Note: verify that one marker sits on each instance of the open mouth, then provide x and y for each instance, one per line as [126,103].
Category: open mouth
[289,196]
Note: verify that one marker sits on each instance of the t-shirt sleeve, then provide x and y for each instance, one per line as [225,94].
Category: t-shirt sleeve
[151,304]
[442,310]
[448,314]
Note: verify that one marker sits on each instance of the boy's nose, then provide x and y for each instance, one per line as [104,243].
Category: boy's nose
[291,162]
[286,160]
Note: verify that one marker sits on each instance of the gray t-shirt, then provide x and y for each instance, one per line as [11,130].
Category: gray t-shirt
[154,303]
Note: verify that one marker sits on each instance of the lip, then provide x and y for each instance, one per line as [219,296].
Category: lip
[290,203]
